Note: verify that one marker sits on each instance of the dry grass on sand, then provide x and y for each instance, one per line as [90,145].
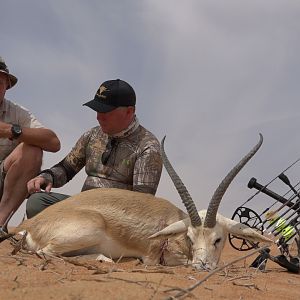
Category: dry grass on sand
[26,276]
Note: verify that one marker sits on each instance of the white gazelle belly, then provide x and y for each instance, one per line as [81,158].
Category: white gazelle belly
[84,242]
[114,249]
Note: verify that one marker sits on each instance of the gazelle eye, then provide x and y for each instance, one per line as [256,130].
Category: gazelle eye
[217,241]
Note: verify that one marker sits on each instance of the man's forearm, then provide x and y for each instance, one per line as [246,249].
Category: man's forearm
[44,138]
[56,175]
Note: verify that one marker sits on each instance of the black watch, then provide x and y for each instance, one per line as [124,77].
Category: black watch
[16,131]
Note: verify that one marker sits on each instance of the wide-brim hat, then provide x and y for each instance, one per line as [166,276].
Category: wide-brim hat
[112,94]
[4,69]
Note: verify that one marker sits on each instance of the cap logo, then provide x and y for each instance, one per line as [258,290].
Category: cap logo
[101,90]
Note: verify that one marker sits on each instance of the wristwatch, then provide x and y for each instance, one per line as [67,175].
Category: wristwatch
[16,131]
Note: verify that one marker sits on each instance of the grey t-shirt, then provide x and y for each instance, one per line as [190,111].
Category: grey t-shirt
[13,113]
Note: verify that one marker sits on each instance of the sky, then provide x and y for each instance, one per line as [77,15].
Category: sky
[209,74]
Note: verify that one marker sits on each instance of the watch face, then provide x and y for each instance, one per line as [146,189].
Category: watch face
[16,130]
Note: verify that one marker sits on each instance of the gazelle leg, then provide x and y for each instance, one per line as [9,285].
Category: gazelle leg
[102,258]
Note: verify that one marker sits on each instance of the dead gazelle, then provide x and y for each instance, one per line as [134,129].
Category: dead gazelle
[115,223]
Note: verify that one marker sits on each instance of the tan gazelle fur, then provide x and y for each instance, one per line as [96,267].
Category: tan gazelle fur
[114,223]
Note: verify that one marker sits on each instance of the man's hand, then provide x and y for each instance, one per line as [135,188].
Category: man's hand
[5,130]
[35,184]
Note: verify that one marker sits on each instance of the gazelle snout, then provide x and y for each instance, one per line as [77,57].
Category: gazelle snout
[206,246]
[203,260]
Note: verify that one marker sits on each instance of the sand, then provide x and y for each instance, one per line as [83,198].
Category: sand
[27,276]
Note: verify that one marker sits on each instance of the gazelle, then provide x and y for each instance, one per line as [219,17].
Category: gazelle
[114,223]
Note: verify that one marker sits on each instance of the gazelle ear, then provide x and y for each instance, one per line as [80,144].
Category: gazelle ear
[173,229]
[242,230]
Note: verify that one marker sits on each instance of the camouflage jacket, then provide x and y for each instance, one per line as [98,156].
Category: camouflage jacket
[134,162]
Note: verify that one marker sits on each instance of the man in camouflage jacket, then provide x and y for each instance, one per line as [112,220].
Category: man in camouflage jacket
[120,153]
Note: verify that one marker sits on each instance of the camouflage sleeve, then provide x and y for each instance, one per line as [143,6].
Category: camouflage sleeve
[65,170]
[147,170]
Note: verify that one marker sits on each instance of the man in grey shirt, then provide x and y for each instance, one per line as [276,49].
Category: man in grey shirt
[22,141]
[120,153]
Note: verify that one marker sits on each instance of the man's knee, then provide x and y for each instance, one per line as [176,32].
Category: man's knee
[34,205]
[27,157]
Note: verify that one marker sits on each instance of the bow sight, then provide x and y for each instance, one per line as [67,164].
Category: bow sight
[280,220]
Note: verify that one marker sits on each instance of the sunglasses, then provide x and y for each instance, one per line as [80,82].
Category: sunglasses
[109,147]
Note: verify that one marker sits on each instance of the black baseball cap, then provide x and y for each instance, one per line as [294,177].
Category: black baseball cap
[112,94]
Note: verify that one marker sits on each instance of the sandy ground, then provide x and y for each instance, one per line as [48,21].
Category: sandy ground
[26,276]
